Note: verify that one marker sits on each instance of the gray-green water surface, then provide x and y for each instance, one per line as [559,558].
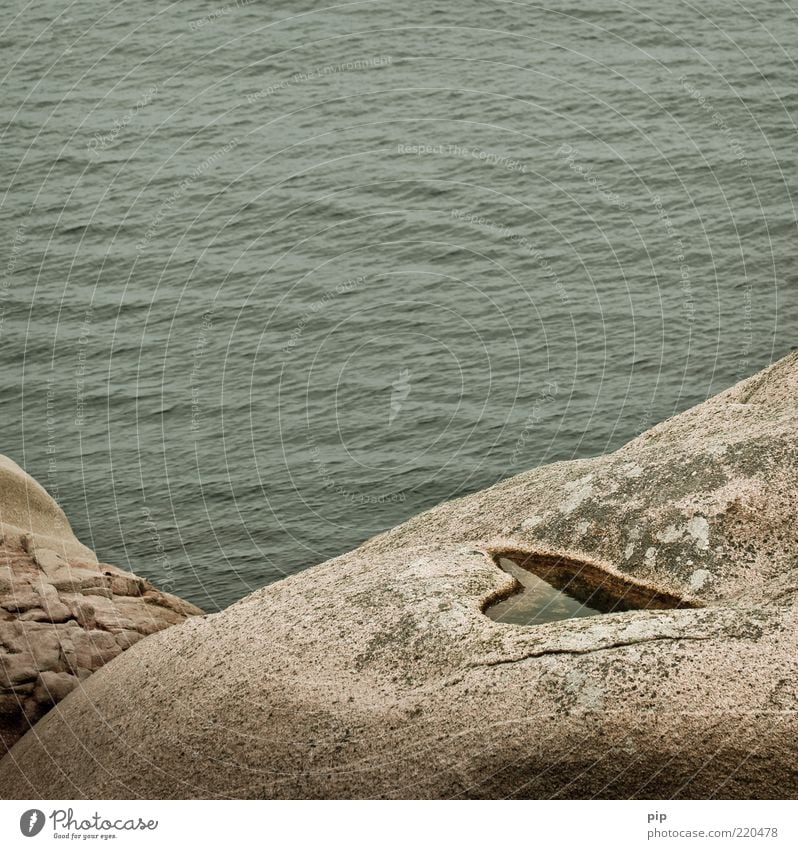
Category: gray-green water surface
[277,276]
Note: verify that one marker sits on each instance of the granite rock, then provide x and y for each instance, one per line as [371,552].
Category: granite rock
[378,674]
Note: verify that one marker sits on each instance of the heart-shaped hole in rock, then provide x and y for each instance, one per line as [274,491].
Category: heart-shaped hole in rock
[555,587]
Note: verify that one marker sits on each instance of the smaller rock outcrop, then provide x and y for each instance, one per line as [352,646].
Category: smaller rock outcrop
[62,614]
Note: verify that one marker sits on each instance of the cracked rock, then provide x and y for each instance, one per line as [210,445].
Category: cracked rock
[59,620]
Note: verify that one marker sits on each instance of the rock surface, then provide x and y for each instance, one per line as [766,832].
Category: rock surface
[377,674]
[62,614]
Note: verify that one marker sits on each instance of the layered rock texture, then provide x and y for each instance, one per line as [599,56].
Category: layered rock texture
[377,674]
[62,614]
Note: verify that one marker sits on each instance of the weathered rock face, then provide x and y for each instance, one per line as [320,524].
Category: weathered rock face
[62,614]
[378,674]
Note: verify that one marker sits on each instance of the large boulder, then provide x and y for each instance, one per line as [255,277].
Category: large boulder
[62,613]
[378,674]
